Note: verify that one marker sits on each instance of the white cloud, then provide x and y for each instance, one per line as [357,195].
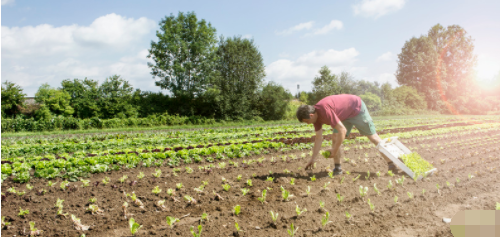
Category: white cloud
[377,8]
[299,27]
[302,71]
[335,24]
[8,2]
[112,44]
[386,57]
[387,77]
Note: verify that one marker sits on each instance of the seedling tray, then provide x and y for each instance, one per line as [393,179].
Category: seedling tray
[393,149]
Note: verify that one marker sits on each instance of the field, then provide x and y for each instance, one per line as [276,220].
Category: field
[221,168]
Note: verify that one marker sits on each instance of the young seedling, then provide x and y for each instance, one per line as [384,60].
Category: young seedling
[401,181]
[237,226]
[190,200]
[237,209]
[156,190]
[372,207]
[322,204]
[363,191]
[157,173]
[134,226]
[308,190]
[390,186]
[189,170]
[204,217]
[77,224]
[178,186]
[274,216]
[194,233]
[245,191]
[141,175]
[292,231]
[286,171]
[324,220]
[378,173]
[171,221]
[123,178]
[342,180]
[22,212]
[285,194]
[239,177]
[357,177]
[376,189]
[325,187]
[470,176]
[292,181]
[330,174]
[270,179]
[313,178]
[94,209]
[390,173]
[105,180]
[50,184]
[298,211]
[263,198]
[91,200]
[249,182]
[161,205]
[423,192]
[367,175]
[347,215]
[34,231]
[396,199]
[224,180]
[29,187]
[85,182]
[226,187]
[222,165]
[448,184]
[437,186]
[64,185]
[410,195]
[170,192]
[340,198]
[137,202]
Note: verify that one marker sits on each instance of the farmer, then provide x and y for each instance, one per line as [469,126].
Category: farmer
[341,112]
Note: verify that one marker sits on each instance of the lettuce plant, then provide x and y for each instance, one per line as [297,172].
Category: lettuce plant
[249,182]
[363,191]
[357,177]
[194,233]
[123,178]
[274,216]
[5,223]
[237,209]
[137,202]
[239,177]
[140,175]
[105,180]
[34,231]
[376,189]
[189,170]
[324,220]
[342,180]
[178,186]
[263,198]
[390,173]
[372,207]
[347,215]
[410,195]
[170,192]
[270,179]
[313,178]
[157,173]
[340,198]
[292,181]
[64,185]
[396,199]
[156,190]
[22,212]
[77,223]
[94,209]
[226,187]
[190,200]
[390,186]
[378,173]
[204,217]
[161,204]
[298,211]
[325,186]
[292,231]
[29,187]
[237,226]
[171,221]
[330,174]
[134,226]
[308,190]
[93,200]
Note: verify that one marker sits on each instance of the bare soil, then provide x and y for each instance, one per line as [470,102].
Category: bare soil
[419,216]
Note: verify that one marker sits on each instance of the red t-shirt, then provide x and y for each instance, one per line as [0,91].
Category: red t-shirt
[335,108]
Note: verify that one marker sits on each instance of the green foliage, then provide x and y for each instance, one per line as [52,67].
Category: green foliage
[84,95]
[194,233]
[416,164]
[115,101]
[273,101]
[134,226]
[448,51]
[324,85]
[53,100]
[12,99]
[184,55]
[372,101]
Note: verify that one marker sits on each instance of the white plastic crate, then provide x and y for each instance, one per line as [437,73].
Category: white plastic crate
[393,149]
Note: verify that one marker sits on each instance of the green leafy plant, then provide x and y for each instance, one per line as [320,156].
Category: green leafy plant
[321,204]
[376,189]
[170,192]
[410,195]
[372,207]
[105,180]
[285,194]
[50,184]
[415,163]
[190,199]
[363,191]
[292,181]
[178,186]
[390,185]
[204,216]
[270,179]
[141,175]
[342,180]
[263,198]
[308,190]
[134,226]
[94,209]
[239,177]
[249,182]
[325,154]
[22,212]
[237,209]
[123,178]
[245,191]
[92,200]
[189,170]
[347,215]
[357,177]
[34,231]
[156,190]
[325,186]
[313,178]
[64,185]
[171,221]
[157,173]
[367,175]
[340,198]
[298,211]
[29,187]
[390,173]
[85,182]
[395,199]
[274,216]
[292,231]
[330,174]
[237,226]
[226,187]
[194,233]
[324,220]
[378,173]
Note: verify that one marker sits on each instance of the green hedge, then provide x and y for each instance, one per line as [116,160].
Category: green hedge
[70,123]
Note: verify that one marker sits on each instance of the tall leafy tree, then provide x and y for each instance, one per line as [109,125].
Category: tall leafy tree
[12,99]
[183,55]
[115,98]
[53,100]
[439,65]
[272,101]
[324,85]
[241,71]
[84,95]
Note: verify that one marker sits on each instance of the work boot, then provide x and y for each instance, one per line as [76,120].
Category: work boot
[337,170]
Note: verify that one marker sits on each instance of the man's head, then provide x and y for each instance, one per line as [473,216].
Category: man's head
[306,114]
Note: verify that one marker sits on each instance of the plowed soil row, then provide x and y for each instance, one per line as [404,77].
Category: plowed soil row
[419,216]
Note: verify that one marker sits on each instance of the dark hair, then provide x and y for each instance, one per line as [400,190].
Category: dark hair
[303,112]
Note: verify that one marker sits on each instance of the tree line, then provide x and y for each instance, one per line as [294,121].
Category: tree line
[222,78]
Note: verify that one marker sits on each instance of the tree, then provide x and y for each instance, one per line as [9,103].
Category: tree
[273,101]
[303,96]
[439,65]
[12,99]
[346,83]
[241,72]
[84,95]
[324,85]
[184,55]
[409,97]
[53,100]
[115,98]
[372,101]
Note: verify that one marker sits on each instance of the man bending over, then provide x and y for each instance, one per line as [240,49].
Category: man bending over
[341,112]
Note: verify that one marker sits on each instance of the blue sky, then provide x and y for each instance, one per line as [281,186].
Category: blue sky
[48,41]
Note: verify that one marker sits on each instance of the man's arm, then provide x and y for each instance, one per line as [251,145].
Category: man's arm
[339,139]
[318,140]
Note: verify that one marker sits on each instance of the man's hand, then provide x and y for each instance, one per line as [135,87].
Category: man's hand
[310,165]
